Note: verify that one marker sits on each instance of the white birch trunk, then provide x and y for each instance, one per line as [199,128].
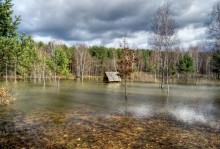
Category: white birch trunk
[15,72]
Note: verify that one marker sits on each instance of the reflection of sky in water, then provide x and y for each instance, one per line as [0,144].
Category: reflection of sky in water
[183,113]
[188,115]
[141,111]
[192,116]
[189,104]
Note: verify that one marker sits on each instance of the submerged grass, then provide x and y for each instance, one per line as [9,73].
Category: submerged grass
[50,129]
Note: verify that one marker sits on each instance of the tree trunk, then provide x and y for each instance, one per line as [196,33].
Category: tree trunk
[44,73]
[34,73]
[15,72]
[162,69]
[82,77]
[77,68]
[168,86]
[39,77]
[162,78]
[6,72]
[114,61]
[167,63]
[126,97]
[55,76]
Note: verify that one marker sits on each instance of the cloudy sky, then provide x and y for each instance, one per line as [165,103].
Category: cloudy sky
[105,22]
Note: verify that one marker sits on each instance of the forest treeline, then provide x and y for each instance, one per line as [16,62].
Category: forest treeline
[40,60]
[22,57]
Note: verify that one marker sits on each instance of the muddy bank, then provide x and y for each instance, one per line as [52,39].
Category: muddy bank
[88,130]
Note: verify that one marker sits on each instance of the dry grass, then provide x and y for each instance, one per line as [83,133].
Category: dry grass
[6,96]
[77,130]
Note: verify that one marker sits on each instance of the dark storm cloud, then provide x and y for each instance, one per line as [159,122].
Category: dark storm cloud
[85,20]
[191,12]
[68,20]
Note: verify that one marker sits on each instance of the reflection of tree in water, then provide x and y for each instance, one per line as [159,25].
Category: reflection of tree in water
[10,121]
[217,102]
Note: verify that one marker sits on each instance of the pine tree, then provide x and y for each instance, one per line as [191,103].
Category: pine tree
[185,64]
[8,25]
[215,63]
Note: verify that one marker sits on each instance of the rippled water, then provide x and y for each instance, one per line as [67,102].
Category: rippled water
[186,104]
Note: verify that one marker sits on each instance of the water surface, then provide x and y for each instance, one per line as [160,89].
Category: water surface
[189,105]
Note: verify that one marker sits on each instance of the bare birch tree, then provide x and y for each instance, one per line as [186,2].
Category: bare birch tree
[81,54]
[213,32]
[164,38]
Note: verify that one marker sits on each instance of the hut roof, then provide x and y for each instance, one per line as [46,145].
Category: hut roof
[113,77]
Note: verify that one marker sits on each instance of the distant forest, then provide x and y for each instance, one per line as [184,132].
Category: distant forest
[22,57]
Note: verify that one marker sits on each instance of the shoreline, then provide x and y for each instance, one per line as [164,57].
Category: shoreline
[197,82]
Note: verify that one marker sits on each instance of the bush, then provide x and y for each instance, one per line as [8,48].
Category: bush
[6,97]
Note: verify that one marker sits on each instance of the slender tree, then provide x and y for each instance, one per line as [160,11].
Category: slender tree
[213,32]
[164,38]
[213,29]
[81,54]
[125,64]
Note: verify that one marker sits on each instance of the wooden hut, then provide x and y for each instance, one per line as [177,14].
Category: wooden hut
[111,77]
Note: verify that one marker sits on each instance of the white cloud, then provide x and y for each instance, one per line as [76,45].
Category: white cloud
[137,40]
[191,36]
[40,38]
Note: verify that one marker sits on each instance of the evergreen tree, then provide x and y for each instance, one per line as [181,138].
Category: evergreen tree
[27,55]
[61,61]
[8,35]
[8,25]
[215,63]
[185,64]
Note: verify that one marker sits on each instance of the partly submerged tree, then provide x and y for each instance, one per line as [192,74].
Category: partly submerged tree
[125,64]
[164,38]
[81,55]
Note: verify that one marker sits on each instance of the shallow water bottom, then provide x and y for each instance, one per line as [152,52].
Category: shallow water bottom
[96,115]
[77,129]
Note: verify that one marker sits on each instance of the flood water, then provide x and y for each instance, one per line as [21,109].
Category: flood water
[189,105]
